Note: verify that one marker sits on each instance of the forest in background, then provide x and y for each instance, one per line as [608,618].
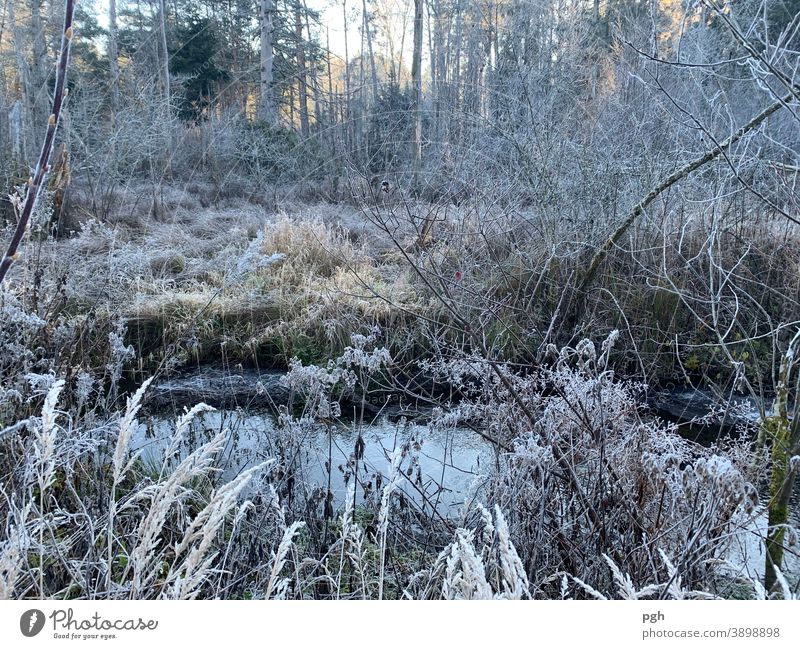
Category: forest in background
[445,207]
[548,121]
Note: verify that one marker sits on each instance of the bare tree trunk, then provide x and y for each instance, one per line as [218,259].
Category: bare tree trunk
[266,106]
[432,45]
[331,110]
[455,84]
[6,161]
[291,105]
[39,90]
[113,54]
[346,81]
[362,91]
[302,88]
[331,114]
[373,69]
[162,29]
[314,79]
[20,115]
[416,80]
[471,74]
[438,70]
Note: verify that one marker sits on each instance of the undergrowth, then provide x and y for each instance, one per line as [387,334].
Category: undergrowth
[588,499]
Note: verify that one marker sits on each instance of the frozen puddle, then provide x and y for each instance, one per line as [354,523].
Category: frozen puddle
[443,471]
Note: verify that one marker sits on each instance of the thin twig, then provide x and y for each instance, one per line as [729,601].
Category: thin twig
[36,181]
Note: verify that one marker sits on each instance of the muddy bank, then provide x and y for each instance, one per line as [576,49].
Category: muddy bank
[251,389]
[248,388]
[694,410]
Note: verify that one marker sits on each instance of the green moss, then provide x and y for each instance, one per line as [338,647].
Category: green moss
[777,431]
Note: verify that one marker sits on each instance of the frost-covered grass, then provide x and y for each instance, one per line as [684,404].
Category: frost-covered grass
[588,499]
[247,284]
[239,285]
[587,496]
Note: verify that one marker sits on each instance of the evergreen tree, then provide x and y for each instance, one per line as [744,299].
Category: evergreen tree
[193,53]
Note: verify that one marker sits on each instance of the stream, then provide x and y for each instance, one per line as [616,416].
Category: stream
[451,464]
